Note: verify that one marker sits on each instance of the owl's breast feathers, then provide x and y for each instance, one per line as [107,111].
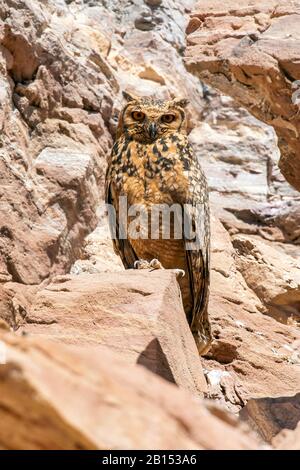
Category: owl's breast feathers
[153,173]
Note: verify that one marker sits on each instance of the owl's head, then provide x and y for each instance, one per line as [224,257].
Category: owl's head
[148,119]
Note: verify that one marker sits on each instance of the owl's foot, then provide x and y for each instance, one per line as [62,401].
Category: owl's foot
[144,264]
[155,264]
[141,264]
[179,273]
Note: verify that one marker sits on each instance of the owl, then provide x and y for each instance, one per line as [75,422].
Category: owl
[152,167]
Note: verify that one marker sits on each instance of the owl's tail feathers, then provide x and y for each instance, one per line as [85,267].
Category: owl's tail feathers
[202,334]
[203,342]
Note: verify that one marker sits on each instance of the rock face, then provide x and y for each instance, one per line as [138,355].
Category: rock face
[138,315]
[274,279]
[272,415]
[256,206]
[54,111]
[81,397]
[253,355]
[250,51]
[288,440]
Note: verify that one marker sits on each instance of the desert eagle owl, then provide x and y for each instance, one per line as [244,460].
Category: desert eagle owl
[153,165]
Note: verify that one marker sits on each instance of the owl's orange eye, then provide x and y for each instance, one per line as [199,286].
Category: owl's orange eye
[168,118]
[138,115]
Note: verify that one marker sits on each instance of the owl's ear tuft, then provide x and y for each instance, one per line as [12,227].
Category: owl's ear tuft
[128,96]
[182,102]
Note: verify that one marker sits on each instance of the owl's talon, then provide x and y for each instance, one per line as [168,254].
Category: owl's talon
[155,264]
[180,273]
[141,264]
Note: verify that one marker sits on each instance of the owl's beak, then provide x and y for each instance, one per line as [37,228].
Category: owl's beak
[152,130]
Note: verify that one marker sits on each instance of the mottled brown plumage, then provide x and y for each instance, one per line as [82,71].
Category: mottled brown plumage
[153,163]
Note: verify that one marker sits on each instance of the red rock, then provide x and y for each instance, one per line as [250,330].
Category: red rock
[71,399]
[193,25]
[274,277]
[48,208]
[137,314]
[250,51]
[272,415]
[257,352]
[287,439]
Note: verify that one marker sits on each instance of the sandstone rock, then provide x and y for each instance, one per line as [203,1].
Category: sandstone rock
[257,352]
[43,234]
[275,279]
[97,253]
[239,155]
[287,439]
[153,3]
[144,21]
[73,400]
[52,103]
[6,309]
[271,415]
[15,301]
[144,58]
[193,25]
[137,314]
[65,167]
[250,51]
[284,215]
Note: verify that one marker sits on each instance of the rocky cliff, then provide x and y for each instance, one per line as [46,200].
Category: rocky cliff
[250,50]
[72,322]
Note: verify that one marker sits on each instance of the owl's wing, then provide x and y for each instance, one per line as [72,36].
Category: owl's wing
[122,247]
[197,221]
